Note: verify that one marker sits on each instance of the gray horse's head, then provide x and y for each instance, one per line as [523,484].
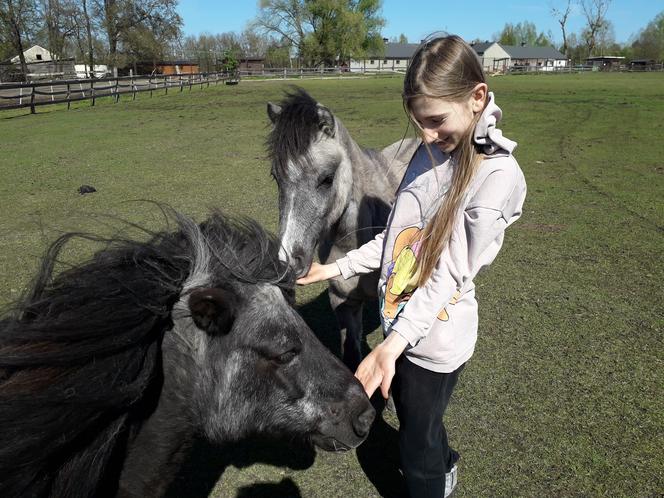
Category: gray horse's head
[311,166]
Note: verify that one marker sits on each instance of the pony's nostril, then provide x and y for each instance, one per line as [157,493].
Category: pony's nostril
[336,411]
[362,424]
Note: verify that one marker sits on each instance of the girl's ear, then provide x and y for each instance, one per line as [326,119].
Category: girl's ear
[478,97]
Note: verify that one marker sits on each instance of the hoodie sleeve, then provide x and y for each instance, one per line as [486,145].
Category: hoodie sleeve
[364,259]
[496,205]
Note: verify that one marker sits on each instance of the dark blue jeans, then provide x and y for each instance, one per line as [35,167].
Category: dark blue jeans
[421,397]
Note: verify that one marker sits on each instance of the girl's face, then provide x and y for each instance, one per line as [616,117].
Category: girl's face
[444,123]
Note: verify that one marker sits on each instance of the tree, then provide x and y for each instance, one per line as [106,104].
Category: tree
[650,42]
[285,18]
[59,17]
[324,31]
[561,16]
[595,13]
[18,19]
[128,22]
[523,33]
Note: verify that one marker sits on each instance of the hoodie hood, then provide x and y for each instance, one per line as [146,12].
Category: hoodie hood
[487,135]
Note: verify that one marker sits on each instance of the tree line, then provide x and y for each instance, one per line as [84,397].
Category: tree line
[596,38]
[304,33]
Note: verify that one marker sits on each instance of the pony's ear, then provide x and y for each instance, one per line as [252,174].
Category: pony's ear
[273,111]
[326,121]
[212,309]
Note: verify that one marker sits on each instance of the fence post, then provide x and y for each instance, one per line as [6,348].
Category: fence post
[166,78]
[92,91]
[117,90]
[133,88]
[190,82]
[68,96]
[32,99]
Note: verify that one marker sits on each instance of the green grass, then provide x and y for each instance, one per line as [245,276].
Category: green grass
[563,396]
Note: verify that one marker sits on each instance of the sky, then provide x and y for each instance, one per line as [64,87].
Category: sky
[419,18]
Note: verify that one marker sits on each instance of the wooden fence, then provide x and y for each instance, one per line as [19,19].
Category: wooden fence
[17,95]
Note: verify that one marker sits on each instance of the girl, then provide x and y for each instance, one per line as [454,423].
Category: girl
[461,190]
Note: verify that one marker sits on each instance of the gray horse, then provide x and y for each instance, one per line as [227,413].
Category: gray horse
[333,196]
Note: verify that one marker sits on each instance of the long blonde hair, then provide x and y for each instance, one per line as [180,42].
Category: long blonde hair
[445,68]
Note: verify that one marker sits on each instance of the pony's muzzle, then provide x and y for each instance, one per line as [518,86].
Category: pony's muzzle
[362,423]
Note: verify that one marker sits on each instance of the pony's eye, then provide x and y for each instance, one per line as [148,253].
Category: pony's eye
[287,357]
[326,181]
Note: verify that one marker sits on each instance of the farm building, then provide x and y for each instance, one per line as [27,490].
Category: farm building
[644,65]
[251,65]
[33,54]
[176,67]
[41,65]
[493,56]
[541,58]
[605,62]
[396,58]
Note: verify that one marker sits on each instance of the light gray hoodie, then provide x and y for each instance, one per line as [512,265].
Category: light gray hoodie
[439,320]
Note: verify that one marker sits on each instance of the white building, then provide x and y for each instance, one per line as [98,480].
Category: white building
[33,54]
[396,58]
[542,58]
[494,57]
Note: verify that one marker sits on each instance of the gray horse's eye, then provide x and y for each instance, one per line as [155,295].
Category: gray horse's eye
[326,181]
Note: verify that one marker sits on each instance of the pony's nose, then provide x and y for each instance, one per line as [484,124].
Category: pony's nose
[362,423]
[298,262]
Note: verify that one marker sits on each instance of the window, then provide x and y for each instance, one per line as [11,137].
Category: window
[371,61]
[385,61]
[38,56]
[397,61]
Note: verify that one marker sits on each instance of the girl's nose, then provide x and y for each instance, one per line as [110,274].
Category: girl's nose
[429,136]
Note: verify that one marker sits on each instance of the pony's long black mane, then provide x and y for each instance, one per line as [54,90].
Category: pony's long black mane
[296,127]
[80,356]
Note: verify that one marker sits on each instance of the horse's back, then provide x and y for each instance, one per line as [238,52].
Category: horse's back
[399,154]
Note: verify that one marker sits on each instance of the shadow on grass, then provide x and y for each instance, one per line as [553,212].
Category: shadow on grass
[319,316]
[207,463]
[379,455]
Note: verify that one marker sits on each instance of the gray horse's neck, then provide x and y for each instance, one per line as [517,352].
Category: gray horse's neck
[375,181]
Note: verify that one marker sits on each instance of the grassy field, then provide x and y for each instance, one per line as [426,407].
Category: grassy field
[563,396]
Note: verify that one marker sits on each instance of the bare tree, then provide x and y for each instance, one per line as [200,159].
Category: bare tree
[288,19]
[138,24]
[595,13]
[561,16]
[18,19]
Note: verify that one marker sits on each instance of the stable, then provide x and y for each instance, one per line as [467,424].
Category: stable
[396,58]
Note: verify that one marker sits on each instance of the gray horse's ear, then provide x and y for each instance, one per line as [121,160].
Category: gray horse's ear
[326,121]
[212,309]
[273,111]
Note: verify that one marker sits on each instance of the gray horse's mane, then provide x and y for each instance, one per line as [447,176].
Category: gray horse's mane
[296,127]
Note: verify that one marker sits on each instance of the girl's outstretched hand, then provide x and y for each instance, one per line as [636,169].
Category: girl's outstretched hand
[377,369]
[319,272]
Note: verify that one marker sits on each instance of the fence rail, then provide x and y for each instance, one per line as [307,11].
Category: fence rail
[14,96]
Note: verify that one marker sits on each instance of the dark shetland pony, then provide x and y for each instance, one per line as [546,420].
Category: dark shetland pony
[109,369]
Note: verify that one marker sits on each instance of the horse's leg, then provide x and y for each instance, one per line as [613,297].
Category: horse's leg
[349,318]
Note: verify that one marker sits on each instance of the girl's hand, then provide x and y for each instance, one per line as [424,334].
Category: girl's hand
[319,272]
[377,369]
